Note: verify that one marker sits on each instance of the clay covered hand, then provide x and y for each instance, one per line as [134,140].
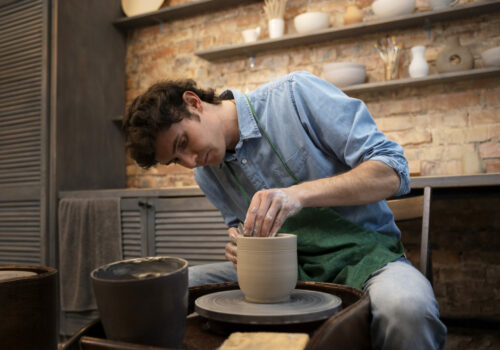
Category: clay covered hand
[231,249]
[268,211]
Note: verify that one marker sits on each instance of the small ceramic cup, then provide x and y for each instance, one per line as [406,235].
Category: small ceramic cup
[267,267]
[143,300]
[251,35]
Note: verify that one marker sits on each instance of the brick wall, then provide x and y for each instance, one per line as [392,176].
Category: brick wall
[445,129]
[465,244]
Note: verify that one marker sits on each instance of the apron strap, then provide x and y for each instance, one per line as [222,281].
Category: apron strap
[240,186]
[289,171]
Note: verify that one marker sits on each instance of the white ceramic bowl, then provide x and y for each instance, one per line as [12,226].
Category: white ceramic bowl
[342,74]
[311,21]
[491,57]
[393,8]
[138,7]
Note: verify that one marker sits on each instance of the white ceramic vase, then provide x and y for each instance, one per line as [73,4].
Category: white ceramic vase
[418,66]
[276,28]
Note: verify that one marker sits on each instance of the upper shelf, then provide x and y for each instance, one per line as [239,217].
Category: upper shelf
[428,80]
[416,19]
[176,12]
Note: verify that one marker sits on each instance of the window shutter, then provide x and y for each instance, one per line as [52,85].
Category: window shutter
[22,29]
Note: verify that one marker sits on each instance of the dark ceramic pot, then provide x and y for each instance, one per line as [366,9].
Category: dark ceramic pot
[143,300]
[28,307]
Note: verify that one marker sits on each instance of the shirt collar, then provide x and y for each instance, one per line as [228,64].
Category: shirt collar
[246,123]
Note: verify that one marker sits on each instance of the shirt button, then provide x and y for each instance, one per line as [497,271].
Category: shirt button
[243,161]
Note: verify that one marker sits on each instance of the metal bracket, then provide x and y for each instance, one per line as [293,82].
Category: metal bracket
[252,61]
[428,27]
[161,23]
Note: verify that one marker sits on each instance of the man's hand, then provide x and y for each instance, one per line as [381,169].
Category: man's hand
[269,209]
[231,249]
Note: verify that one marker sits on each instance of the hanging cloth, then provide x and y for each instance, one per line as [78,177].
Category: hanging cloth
[331,248]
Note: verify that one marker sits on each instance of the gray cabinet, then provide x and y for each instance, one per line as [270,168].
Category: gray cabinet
[187,227]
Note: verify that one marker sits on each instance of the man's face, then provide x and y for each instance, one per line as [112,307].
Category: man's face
[191,143]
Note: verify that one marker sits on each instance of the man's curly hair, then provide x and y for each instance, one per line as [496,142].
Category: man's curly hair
[156,110]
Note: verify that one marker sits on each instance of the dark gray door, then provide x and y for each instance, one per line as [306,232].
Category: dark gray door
[23,132]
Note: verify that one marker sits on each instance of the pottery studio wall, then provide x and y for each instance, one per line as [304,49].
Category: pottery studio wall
[445,128]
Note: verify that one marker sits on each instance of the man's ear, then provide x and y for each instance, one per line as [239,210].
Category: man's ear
[192,100]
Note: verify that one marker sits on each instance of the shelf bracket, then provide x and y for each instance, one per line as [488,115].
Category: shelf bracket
[252,61]
[161,23]
[428,27]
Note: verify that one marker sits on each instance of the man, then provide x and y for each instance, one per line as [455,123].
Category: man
[292,145]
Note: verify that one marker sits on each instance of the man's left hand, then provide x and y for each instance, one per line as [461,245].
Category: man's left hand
[268,211]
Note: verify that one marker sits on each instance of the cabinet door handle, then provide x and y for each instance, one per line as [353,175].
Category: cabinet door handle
[144,204]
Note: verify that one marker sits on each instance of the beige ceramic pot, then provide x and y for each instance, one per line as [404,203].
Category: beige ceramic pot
[267,267]
[353,14]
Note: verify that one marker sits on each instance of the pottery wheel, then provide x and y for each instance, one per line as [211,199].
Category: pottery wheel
[303,306]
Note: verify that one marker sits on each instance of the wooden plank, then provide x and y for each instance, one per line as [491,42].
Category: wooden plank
[18,193]
[171,13]
[480,73]
[456,181]
[132,193]
[335,33]
[406,208]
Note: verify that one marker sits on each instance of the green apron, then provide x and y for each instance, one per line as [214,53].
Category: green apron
[331,248]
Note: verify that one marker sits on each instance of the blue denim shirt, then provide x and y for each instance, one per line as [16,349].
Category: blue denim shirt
[319,131]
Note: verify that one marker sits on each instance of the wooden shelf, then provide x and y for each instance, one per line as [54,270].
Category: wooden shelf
[176,12]
[428,80]
[423,19]
[477,180]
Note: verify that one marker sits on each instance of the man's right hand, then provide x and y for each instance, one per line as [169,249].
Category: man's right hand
[231,249]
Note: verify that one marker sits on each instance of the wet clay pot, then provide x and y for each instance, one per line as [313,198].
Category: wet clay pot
[454,57]
[28,307]
[267,267]
[143,300]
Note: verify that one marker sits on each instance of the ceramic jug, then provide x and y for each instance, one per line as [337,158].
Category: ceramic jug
[418,66]
[353,14]
[454,57]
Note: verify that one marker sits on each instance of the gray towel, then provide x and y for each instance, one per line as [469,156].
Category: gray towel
[89,237]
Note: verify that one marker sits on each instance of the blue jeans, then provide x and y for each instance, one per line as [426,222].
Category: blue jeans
[405,313]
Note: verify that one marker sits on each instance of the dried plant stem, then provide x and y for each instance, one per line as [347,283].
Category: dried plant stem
[275,8]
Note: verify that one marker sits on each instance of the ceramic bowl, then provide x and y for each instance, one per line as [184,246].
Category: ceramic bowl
[491,57]
[342,74]
[267,267]
[143,300]
[311,21]
[138,7]
[391,8]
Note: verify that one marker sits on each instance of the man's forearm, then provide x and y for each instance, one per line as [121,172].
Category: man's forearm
[369,182]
